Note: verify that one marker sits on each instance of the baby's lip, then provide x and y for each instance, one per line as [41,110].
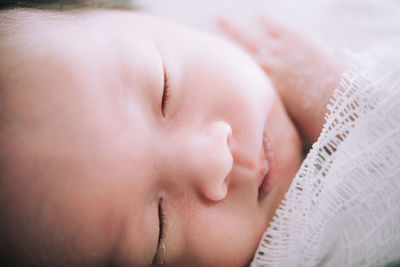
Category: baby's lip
[268,168]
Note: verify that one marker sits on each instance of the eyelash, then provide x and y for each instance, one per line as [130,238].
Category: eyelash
[166,93]
[158,258]
[162,226]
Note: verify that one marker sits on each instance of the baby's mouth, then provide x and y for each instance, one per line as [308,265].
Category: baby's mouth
[269,170]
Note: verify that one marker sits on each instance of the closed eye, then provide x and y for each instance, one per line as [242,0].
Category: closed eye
[162,222]
[162,229]
[166,94]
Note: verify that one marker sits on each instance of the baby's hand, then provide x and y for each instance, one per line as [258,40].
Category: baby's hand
[303,70]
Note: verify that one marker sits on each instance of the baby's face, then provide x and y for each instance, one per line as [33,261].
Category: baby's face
[95,163]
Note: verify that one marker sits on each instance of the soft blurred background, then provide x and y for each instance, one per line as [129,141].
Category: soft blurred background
[345,24]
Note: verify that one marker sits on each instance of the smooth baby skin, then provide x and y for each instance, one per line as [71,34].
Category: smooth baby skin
[88,149]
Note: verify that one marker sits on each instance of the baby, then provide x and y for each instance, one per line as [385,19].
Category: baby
[127,140]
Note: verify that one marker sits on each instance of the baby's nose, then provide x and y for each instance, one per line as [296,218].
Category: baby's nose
[207,159]
[216,161]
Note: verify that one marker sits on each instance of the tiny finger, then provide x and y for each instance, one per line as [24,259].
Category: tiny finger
[267,62]
[238,35]
[271,26]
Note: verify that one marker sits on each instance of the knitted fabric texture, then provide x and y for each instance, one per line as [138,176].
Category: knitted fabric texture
[343,206]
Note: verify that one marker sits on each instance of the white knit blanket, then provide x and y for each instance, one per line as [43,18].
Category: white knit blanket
[343,206]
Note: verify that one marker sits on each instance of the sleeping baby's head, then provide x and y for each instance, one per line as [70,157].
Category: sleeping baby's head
[127,140]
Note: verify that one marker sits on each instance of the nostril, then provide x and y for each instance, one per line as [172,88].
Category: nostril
[229,135]
[218,193]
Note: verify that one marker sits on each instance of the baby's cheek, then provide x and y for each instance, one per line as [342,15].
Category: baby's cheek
[223,239]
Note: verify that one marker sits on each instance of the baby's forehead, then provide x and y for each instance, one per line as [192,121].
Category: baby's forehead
[30,35]
[35,48]
[44,49]
[78,33]
[41,25]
